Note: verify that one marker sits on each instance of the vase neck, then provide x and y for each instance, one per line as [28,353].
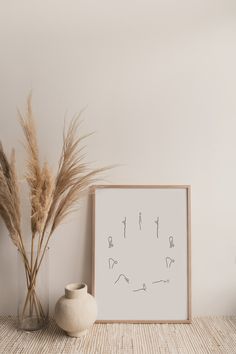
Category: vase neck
[75,290]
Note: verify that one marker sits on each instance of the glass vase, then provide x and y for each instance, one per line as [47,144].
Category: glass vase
[33,291]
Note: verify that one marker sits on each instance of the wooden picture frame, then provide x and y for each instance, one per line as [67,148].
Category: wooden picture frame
[142,253]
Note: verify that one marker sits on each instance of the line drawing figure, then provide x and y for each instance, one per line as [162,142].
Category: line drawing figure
[157,223]
[161,281]
[144,288]
[140,221]
[123,276]
[110,242]
[112,262]
[171,240]
[124,222]
[169,261]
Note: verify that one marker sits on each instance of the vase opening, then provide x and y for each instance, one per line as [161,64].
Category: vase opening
[75,286]
[75,289]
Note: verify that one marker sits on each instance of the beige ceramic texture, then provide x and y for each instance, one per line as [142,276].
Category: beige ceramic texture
[76,311]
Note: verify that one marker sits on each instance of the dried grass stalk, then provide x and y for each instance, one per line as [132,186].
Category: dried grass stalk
[52,198]
[41,199]
[9,197]
[33,175]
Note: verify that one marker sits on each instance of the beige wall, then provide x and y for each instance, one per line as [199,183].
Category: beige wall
[159,82]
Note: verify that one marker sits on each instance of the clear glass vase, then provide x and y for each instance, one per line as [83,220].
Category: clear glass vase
[33,291]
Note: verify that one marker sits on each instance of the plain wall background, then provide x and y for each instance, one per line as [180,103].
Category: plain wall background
[158,79]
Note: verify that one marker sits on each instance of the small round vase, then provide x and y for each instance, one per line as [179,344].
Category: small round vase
[76,312]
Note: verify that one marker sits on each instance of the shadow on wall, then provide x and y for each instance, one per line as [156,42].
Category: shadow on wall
[71,263]
[87,253]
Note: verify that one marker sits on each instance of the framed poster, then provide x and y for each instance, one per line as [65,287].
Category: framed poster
[141,253]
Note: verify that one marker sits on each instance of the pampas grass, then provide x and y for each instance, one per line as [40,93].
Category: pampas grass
[52,197]
[9,197]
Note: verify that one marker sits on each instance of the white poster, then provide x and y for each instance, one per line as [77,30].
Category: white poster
[141,263]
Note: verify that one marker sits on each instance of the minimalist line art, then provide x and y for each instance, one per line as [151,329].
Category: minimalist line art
[110,242]
[144,288]
[169,261]
[171,241]
[157,223]
[124,222]
[112,262]
[161,281]
[122,276]
[140,221]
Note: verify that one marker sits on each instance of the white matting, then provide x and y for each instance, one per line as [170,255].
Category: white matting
[204,335]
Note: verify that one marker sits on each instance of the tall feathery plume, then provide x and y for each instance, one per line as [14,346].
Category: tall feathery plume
[9,197]
[33,175]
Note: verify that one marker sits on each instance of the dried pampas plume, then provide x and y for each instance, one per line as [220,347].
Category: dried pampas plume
[52,197]
[9,197]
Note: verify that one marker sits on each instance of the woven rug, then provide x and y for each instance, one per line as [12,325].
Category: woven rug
[204,335]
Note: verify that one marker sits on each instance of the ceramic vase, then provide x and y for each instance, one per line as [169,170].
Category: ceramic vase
[76,311]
